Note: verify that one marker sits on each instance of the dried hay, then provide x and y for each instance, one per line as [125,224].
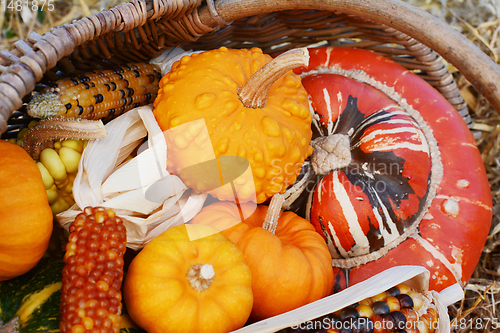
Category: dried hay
[478,20]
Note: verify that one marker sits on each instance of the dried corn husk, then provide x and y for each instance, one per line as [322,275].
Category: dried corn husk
[168,57]
[416,277]
[140,190]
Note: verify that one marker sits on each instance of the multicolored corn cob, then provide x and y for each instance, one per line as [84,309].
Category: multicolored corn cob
[93,273]
[99,94]
[398,310]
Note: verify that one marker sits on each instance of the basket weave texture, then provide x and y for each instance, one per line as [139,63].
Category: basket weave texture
[142,29]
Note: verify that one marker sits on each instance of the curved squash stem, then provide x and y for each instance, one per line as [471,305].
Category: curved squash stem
[45,131]
[273,213]
[254,93]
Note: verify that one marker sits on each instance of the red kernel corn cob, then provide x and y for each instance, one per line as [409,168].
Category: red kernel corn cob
[99,94]
[93,272]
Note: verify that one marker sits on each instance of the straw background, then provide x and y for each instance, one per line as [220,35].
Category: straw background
[478,20]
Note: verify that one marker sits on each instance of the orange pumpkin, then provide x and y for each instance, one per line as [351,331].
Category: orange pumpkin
[185,281]
[25,214]
[253,107]
[291,265]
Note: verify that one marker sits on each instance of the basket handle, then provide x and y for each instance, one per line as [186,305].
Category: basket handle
[482,72]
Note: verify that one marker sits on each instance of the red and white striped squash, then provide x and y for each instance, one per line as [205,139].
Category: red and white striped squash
[398,177]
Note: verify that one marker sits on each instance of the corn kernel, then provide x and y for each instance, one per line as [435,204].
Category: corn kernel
[367,301]
[69,200]
[68,189]
[422,328]
[88,323]
[62,184]
[364,310]
[22,134]
[59,206]
[77,329]
[48,181]
[379,297]
[403,288]
[417,298]
[32,123]
[52,194]
[428,321]
[393,303]
[73,144]
[70,158]
[53,163]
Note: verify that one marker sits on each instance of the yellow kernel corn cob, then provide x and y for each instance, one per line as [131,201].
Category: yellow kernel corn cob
[59,167]
[399,309]
[93,273]
[99,94]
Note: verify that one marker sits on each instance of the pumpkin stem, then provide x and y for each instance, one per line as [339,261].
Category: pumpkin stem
[254,93]
[200,277]
[273,213]
[331,153]
[12,326]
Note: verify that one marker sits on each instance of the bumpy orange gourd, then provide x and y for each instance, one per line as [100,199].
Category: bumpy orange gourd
[290,268]
[274,138]
[181,284]
[25,214]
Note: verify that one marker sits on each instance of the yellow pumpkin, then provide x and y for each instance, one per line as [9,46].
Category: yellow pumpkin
[185,281]
[252,107]
[25,214]
[290,262]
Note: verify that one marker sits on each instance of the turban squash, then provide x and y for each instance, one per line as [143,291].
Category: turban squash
[395,177]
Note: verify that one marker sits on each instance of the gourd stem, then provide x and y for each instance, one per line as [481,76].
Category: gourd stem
[273,213]
[200,277]
[254,93]
[331,153]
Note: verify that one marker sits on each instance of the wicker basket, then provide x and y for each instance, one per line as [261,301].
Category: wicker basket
[142,29]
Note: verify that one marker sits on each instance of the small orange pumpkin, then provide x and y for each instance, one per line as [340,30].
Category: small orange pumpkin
[185,281]
[25,214]
[290,262]
[253,107]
